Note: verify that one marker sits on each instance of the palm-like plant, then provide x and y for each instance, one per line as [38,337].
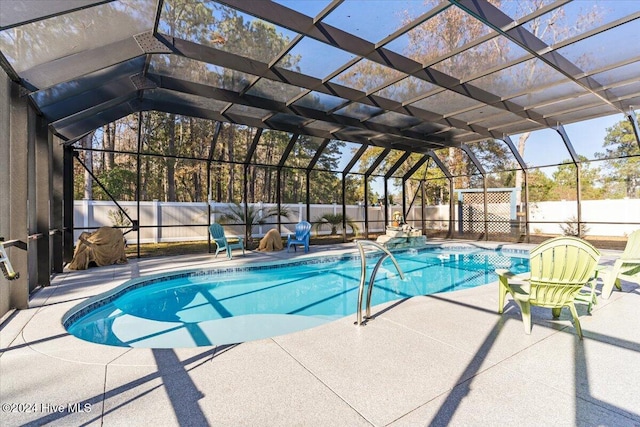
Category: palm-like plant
[335,221]
[235,213]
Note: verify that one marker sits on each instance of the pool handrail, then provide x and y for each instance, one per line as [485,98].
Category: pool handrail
[363,274]
[5,264]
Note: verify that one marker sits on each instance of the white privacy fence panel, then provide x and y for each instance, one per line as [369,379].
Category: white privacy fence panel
[188,221]
[593,212]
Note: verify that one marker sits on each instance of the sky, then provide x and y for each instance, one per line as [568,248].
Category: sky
[545,147]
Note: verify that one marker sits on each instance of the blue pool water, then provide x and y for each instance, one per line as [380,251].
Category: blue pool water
[202,308]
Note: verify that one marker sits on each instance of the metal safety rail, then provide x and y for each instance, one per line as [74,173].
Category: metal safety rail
[363,274]
[5,265]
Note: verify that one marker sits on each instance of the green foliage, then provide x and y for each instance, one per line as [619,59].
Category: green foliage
[565,181]
[493,155]
[572,228]
[540,186]
[255,215]
[325,187]
[120,182]
[622,169]
[335,221]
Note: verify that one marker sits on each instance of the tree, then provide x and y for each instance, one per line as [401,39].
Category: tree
[190,21]
[432,42]
[551,27]
[566,185]
[335,222]
[254,216]
[120,182]
[621,167]
[87,143]
[326,184]
[540,186]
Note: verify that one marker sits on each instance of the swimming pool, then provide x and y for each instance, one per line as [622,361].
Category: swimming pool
[230,305]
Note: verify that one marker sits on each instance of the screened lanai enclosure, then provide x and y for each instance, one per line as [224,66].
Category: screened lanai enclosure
[473,119]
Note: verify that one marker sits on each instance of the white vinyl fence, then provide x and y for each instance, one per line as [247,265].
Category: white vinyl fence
[180,221]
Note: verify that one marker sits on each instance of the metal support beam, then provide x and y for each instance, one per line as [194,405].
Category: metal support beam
[67,203]
[483,172]
[247,162]
[106,191]
[415,167]
[345,171]
[452,206]
[423,211]
[452,210]
[278,198]
[366,207]
[397,165]
[310,167]
[252,147]
[344,208]
[496,19]
[367,174]
[634,124]
[342,122]
[18,196]
[525,178]
[567,142]
[388,175]
[57,195]
[377,162]
[42,205]
[5,184]
[405,177]
[355,159]
[473,159]
[440,165]
[516,154]
[307,199]
[325,33]
[15,16]
[287,150]
[404,200]
[386,202]
[29,175]
[212,149]
[576,161]
[283,160]
[136,224]
[316,157]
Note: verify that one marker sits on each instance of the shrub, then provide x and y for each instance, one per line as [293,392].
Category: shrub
[335,222]
[573,228]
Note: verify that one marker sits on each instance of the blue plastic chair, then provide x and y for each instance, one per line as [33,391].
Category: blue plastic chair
[222,242]
[303,233]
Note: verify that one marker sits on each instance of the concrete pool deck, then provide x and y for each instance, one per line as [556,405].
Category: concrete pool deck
[444,359]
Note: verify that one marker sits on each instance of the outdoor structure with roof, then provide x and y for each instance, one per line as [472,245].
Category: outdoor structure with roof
[408,79]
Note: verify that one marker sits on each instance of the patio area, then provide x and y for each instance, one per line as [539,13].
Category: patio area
[444,359]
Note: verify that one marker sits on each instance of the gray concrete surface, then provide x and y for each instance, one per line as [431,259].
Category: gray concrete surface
[445,359]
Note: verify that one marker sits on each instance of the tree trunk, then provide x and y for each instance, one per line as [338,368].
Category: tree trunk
[171,161]
[251,176]
[143,178]
[109,142]
[519,176]
[195,176]
[232,176]
[88,161]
